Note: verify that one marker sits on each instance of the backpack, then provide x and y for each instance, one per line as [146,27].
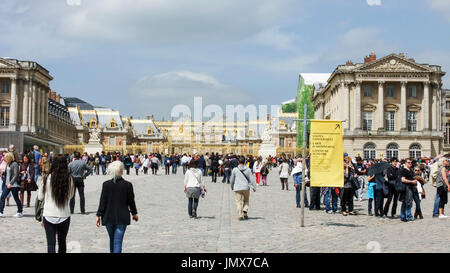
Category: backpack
[97,160]
[434,170]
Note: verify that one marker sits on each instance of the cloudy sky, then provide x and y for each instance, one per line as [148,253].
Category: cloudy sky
[142,57]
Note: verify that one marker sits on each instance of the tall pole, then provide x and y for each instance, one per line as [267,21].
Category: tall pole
[302,193]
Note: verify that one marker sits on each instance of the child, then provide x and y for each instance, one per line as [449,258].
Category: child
[264,173]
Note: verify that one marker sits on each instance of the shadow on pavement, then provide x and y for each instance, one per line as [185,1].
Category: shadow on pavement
[343,225]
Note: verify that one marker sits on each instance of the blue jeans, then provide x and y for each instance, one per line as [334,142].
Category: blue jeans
[15,194]
[174,168]
[298,190]
[103,169]
[405,212]
[36,172]
[192,205]
[417,201]
[334,200]
[116,233]
[227,174]
[437,199]
[184,168]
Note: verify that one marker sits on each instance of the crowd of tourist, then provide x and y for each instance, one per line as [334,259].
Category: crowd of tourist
[383,183]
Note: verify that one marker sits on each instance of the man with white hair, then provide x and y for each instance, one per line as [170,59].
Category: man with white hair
[12,149]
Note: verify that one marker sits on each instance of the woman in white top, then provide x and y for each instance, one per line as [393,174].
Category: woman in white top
[193,187]
[56,191]
[284,174]
[257,169]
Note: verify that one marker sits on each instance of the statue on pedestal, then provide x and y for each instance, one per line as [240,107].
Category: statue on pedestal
[94,135]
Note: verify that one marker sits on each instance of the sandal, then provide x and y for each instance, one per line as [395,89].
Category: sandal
[344,213]
[352,213]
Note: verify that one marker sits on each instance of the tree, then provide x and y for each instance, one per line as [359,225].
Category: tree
[304,96]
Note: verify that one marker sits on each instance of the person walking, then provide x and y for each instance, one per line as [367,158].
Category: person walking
[128,163]
[417,192]
[56,191]
[115,206]
[407,177]
[379,194]
[193,187]
[284,174]
[208,164]
[392,174]
[443,187]
[361,171]
[241,182]
[347,191]
[214,167]
[226,170]
[155,163]
[370,193]
[297,175]
[167,163]
[257,170]
[37,158]
[11,183]
[79,170]
[97,161]
[137,164]
[264,173]
[27,183]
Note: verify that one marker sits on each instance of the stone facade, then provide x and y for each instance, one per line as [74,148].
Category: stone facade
[25,108]
[390,107]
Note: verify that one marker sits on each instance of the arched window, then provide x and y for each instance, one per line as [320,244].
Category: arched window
[93,123]
[251,133]
[113,123]
[392,151]
[369,151]
[415,151]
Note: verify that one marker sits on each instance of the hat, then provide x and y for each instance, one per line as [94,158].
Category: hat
[345,154]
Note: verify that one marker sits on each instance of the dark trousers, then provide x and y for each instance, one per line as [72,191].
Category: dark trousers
[347,200]
[103,169]
[315,198]
[192,205]
[417,201]
[97,169]
[15,194]
[284,181]
[214,175]
[51,230]
[154,167]
[145,170]
[174,168]
[392,196]
[379,199]
[79,184]
[167,169]
[369,205]
[226,176]
[128,169]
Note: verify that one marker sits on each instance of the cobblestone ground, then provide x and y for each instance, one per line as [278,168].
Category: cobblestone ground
[274,224]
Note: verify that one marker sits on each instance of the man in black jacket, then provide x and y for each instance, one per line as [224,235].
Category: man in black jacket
[392,174]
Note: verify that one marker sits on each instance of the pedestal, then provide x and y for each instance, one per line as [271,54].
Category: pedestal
[93,148]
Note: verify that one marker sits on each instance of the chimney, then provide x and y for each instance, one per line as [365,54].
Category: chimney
[268,117]
[402,55]
[58,98]
[373,57]
[366,59]
[349,62]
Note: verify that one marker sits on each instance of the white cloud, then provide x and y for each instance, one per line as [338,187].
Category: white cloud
[163,91]
[442,6]
[273,37]
[373,2]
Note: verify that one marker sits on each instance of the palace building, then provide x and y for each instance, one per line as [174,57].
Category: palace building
[391,107]
[29,114]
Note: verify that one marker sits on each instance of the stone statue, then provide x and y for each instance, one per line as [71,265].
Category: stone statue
[266,138]
[94,135]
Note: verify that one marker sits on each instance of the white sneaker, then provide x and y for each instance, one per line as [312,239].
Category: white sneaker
[1,214]
[18,215]
[442,216]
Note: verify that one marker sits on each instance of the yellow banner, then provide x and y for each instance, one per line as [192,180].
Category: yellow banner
[327,156]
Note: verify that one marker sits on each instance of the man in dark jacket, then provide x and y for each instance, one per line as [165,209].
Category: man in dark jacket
[392,174]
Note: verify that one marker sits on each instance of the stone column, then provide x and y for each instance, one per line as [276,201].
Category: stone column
[380,105]
[46,109]
[357,105]
[33,108]
[434,110]
[38,106]
[25,113]
[403,106]
[346,94]
[14,105]
[42,102]
[426,106]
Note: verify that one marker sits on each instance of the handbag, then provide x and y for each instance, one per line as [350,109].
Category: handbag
[400,187]
[355,183]
[39,205]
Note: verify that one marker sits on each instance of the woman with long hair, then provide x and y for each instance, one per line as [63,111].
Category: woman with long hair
[116,204]
[257,169]
[57,189]
[11,184]
[27,182]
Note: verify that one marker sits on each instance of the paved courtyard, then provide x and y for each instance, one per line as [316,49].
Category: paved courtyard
[274,225]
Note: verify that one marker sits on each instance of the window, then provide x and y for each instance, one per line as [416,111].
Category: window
[367,121]
[149,130]
[392,151]
[390,121]
[113,123]
[390,91]
[251,133]
[367,91]
[412,121]
[415,151]
[369,151]
[93,123]
[282,142]
[412,91]
[112,141]
[447,105]
[447,134]
[283,125]
[4,116]
[5,87]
